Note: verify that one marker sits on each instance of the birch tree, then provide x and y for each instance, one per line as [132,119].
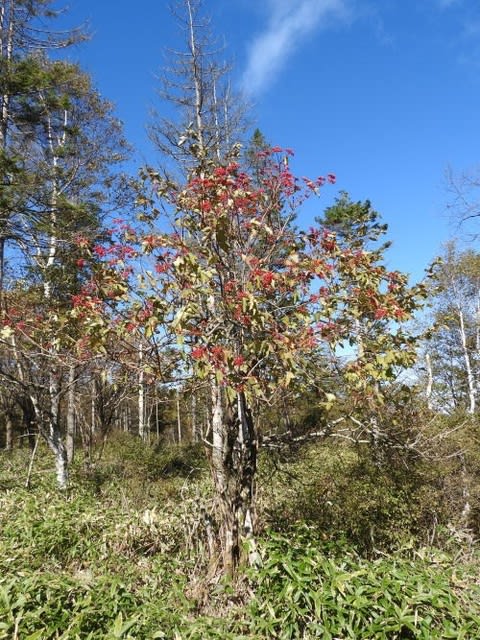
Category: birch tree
[69,146]
[454,349]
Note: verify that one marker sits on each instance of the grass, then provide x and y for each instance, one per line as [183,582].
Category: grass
[121,555]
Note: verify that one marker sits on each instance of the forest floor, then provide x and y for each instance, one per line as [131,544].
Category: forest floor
[122,555]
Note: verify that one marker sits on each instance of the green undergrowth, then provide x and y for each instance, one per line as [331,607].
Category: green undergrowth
[307,588]
[121,555]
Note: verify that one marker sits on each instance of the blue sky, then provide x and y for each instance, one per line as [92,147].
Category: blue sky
[384,94]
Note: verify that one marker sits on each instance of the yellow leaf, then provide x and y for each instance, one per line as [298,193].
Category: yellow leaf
[6,332]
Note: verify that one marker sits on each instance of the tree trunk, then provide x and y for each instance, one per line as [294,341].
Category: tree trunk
[53,438]
[2,271]
[428,390]
[196,435]
[196,75]
[141,395]
[8,432]
[70,435]
[468,365]
[233,464]
[179,416]
[61,461]
[29,424]
[6,50]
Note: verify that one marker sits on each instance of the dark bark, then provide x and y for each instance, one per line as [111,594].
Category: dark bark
[29,422]
[233,464]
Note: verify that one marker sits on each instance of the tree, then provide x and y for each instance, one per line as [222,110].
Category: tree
[357,224]
[69,145]
[247,304]
[209,119]
[22,36]
[454,347]
[463,201]
[358,227]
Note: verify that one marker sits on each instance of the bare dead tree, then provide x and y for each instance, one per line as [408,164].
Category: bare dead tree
[463,203]
[208,117]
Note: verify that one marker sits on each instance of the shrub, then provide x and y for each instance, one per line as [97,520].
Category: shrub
[375,507]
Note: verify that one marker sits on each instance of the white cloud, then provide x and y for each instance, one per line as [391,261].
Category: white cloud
[290,21]
[445,4]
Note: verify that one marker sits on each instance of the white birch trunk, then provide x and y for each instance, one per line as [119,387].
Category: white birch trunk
[57,446]
[70,436]
[429,387]
[6,49]
[8,432]
[46,262]
[468,365]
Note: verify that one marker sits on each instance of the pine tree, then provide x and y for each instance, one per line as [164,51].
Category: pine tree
[22,36]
